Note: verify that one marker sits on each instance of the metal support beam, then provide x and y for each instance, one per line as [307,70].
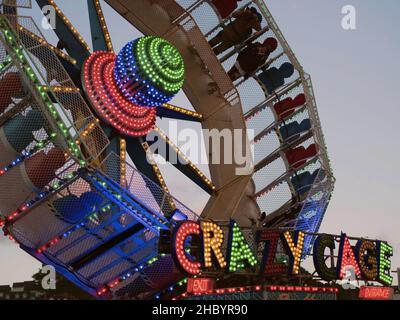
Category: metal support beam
[100,36]
[174,112]
[137,153]
[173,155]
[68,35]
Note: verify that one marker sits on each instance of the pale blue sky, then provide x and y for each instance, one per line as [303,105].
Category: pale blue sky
[355,77]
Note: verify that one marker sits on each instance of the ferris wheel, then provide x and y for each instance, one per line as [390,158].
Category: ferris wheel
[70,116]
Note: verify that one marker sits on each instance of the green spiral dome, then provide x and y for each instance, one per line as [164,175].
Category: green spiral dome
[161,62]
[149,71]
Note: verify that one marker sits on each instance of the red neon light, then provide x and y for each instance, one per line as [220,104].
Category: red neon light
[376,293]
[112,107]
[347,258]
[200,285]
[184,230]
[271,239]
[259,288]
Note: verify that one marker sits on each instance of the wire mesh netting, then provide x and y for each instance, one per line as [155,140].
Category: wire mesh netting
[33,158]
[88,231]
[41,60]
[219,75]
[145,190]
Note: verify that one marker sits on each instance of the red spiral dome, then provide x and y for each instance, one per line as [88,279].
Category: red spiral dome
[98,81]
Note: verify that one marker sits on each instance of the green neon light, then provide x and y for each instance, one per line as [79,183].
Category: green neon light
[161,62]
[386,251]
[5,63]
[240,251]
[9,36]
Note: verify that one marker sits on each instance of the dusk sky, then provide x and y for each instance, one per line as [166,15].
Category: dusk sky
[355,81]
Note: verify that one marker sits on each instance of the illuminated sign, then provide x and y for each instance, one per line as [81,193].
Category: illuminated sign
[182,236]
[199,247]
[376,293]
[200,285]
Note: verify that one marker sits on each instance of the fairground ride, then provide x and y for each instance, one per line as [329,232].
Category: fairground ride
[71,113]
